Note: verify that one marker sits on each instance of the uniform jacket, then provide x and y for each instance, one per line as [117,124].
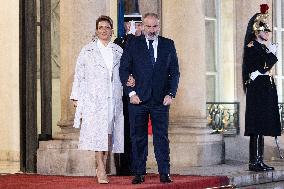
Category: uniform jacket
[262,113]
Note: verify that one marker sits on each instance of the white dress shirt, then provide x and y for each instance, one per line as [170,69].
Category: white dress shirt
[107,54]
[155,47]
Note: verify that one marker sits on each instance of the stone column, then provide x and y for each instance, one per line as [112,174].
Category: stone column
[183,21]
[227,52]
[77,26]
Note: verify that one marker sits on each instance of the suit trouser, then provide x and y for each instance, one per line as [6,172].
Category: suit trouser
[139,116]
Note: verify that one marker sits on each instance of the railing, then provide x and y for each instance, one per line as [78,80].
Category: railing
[223,117]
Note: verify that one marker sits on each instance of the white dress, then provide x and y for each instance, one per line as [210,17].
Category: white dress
[107,54]
[98,90]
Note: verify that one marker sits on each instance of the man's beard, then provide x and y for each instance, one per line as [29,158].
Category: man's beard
[152,35]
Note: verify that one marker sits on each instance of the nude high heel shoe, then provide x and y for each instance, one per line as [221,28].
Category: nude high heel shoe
[103,179]
[100,170]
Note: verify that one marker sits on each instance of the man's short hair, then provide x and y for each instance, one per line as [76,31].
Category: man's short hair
[104,18]
[150,14]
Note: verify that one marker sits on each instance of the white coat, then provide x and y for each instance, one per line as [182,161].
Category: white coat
[91,86]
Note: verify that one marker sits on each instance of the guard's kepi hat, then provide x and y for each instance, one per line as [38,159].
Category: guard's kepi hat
[261,21]
[133,17]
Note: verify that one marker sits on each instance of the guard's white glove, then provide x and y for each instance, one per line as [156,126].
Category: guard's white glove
[132,29]
[273,48]
[254,75]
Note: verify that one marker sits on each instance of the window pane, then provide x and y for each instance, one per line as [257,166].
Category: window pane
[282,13]
[274,40]
[274,36]
[210,10]
[38,10]
[210,46]
[283,50]
[210,88]
[131,6]
[38,53]
[274,13]
[282,90]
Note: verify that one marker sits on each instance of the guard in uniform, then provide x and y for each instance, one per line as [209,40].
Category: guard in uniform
[262,113]
[132,27]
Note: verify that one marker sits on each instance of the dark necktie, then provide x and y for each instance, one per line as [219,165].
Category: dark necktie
[151,51]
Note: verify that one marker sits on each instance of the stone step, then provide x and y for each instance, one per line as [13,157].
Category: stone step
[237,172]
[247,179]
[62,157]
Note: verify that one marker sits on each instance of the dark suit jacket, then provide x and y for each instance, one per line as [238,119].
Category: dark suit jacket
[121,41]
[150,81]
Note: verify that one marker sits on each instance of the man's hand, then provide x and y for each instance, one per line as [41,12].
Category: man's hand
[135,99]
[168,100]
[130,81]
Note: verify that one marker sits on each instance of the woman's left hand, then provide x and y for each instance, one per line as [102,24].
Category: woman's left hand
[130,81]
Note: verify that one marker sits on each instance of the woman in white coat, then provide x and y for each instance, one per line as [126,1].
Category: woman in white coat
[97,95]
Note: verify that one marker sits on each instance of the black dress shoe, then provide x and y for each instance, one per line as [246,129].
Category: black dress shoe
[138,179]
[256,167]
[165,178]
[268,168]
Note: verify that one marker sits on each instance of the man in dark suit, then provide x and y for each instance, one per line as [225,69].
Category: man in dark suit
[153,62]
